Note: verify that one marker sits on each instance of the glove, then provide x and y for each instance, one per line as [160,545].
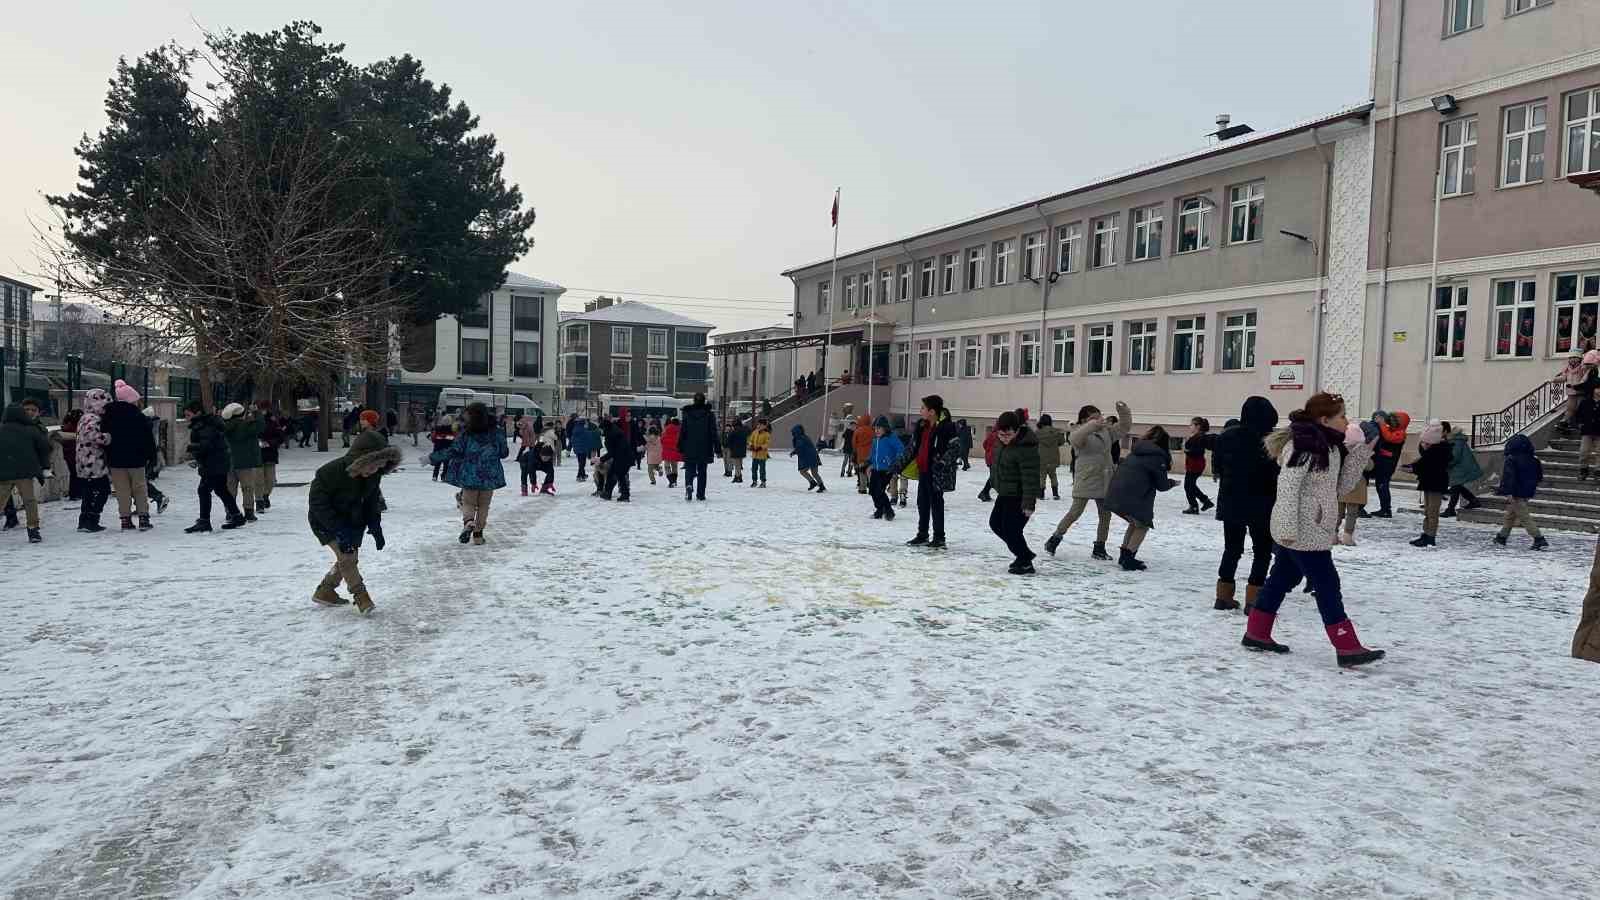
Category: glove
[376,531]
[349,539]
[1354,435]
[1369,431]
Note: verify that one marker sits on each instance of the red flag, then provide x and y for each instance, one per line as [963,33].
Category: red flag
[836,209]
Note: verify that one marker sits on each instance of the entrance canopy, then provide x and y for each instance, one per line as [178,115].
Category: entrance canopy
[844,337]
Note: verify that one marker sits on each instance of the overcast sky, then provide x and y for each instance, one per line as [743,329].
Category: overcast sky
[693,149]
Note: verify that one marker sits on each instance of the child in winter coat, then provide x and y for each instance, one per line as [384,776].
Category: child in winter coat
[443,435]
[760,449]
[1132,495]
[809,461]
[527,463]
[670,455]
[1321,456]
[1247,484]
[92,468]
[886,452]
[860,448]
[1018,487]
[1095,441]
[1432,469]
[1464,470]
[24,460]
[652,451]
[1519,483]
[1350,505]
[1051,440]
[1386,458]
[990,445]
[344,503]
[1194,465]
[474,465]
[847,464]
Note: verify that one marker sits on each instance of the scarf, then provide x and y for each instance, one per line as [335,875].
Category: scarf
[1312,445]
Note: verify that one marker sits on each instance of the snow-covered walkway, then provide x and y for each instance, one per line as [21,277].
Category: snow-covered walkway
[768,695]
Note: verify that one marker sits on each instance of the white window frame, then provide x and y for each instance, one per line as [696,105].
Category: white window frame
[947,357]
[650,343]
[1103,252]
[622,340]
[1458,161]
[1142,346]
[904,273]
[1199,208]
[1243,325]
[971,356]
[1004,250]
[1068,238]
[1028,363]
[1101,338]
[488,357]
[1063,350]
[902,359]
[1450,306]
[865,278]
[1585,292]
[924,359]
[625,366]
[1452,14]
[886,284]
[650,369]
[949,273]
[824,297]
[1147,228]
[1524,297]
[1586,128]
[927,278]
[976,260]
[1518,7]
[1033,255]
[1517,146]
[1193,328]
[1243,198]
[1000,355]
[849,292]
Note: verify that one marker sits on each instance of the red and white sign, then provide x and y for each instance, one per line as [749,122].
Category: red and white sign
[1287,375]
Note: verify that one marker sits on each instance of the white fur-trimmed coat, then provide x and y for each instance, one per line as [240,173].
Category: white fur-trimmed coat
[1306,514]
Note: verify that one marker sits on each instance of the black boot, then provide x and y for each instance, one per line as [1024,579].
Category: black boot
[1383,514]
[90,524]
[34,538]
[1425,540]
[1539,543]
[918,541]
[249,514]
[234,521]
[1500,540]
[1052,543]
[1055,494]
[144,522]
[1129,562]
[984,495]
[937,543]
[466,534]
[200,525]
[1099,551]
[127,523]
[11,520]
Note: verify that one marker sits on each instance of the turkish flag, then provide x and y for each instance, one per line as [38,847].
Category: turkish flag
[836,209]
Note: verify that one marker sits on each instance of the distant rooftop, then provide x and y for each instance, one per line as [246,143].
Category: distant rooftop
[528,282]
[635,313]
[45,311]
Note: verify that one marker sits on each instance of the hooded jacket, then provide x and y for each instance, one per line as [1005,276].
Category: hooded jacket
[804,449]
[886,452]
[697,437]
[1016,468]
[1133,489]
[24,448]
[619,444]
[132,443]
[760,443]
[861,441]
[1464,468]
[1391,443]
[92,437]
[244,440]
[344,493]
[652,447]
[473,459]
[738,441]
[1092,441]
[1050,440]
[1248,476]
[208,446]
[669,443]
[1521,473]
[1432,467]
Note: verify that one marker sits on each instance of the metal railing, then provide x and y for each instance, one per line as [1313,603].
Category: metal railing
[1490,429]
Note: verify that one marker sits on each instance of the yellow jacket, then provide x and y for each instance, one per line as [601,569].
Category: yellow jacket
[759,442]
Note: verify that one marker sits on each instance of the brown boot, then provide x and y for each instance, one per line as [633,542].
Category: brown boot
[1251,592]
[363,600]
[328,595]
[1225,596]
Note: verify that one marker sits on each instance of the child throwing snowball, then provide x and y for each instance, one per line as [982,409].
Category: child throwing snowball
[809,461]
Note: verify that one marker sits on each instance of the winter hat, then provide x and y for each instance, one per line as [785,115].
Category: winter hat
[1354,435]
[369,417]
[1431,435]
[367,442]
[1592,358]
[125,392]
[231,410]
[883,422]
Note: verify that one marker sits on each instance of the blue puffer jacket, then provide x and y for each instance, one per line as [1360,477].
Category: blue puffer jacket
[886,451]
[473,459]
[1522,472]
[804,449]
[584,440]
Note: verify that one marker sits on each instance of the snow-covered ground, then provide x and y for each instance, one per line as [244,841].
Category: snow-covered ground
[768,695]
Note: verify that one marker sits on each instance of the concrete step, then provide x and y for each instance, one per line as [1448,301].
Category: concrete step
[1549,522]
[1546,505]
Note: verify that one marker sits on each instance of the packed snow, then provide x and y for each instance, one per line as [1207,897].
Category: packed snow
[768,695]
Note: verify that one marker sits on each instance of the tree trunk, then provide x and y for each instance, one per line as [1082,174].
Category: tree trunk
[325,417]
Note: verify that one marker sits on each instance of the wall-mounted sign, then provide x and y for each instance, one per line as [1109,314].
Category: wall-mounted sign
[1399,337]
[1287,375]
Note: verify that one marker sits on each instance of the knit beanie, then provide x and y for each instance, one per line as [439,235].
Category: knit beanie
[231,410]
[369,417]
[1431,435]
[125,392]
[882,422]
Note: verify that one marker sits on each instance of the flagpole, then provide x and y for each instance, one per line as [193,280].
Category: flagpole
[833,283]
[872,324]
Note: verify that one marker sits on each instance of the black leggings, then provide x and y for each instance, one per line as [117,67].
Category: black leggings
[1191,491]
[218,485]
[1233,534]
[877,487]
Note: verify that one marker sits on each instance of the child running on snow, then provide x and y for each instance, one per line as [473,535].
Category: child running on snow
[1519,483]
[670,455]
[443,435]
[1321,455]
[1132,496]
[1432,469]
[1464,470]
[1194,465]
[760,449]
[652,451]
[886,451]
[809,461]
[344,503]
[1018,488]
[475,467]
[1094,441]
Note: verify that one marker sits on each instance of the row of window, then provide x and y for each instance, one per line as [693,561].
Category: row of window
[1001,262]
[1575,308]
[991,355]
[1465,15]
[16,306]
[527,313]
[655,373]
[1522,143]
[575,339]
[526,360]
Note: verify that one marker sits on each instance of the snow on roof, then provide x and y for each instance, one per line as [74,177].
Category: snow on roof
[24,284]
[528,282]
[635,313]
[726,336]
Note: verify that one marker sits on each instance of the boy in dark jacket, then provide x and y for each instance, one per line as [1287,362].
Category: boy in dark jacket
[619,459]
[1247,488]
[1194,465]
[1432,469]
[208,447]
[24,460]
[1519,483]
[1017,488]
[809,460]
[343,504]
[738,442]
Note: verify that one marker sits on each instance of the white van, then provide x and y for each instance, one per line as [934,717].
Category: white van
[453,400]
[641,406]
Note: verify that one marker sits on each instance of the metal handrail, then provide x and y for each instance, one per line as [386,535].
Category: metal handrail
[1490,429]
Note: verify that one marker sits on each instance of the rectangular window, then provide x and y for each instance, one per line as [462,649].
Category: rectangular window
[1519,6]
[1244,212]
[866,289]
[849,292]
[924,359]
[905,283]
[1450,321]
[1583,132]
[947,357]
[1100,339]
[925,278]
[902,359]
[1189,344]
[1522,151]
[1063,351]
[655,375]
[478,316]
[1028,348]
[971,357]
[948,266]
[1147,233]
[1239,342]
[691,340]
[526,313]
[474,356]
[1004,258]
[975,259]
[824,298]
[1461,15]
[1194,225]
[1142,347]
[1105,242]
[621,374]
[525,359]
[999,355]
[1068,237]
[1033,255]
[886,283]
[1458,159]
[576,338]
[690,374]
[656,345]
[578,368]
[1514,303]
[622,340]
[1577,306]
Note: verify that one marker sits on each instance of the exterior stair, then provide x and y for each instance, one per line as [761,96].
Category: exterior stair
[1563,504]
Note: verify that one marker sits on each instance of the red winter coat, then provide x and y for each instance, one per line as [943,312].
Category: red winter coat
[669,443]
[989,443]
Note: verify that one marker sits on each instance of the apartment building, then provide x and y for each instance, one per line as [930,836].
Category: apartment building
[506,345]
[16,314]
[626,347]
[1500,98]
[765,375]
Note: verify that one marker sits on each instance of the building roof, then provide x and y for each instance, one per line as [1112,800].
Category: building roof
[20,283]
[632,312]
[45,311]
[528,282]
[1359,111]
[725,336]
